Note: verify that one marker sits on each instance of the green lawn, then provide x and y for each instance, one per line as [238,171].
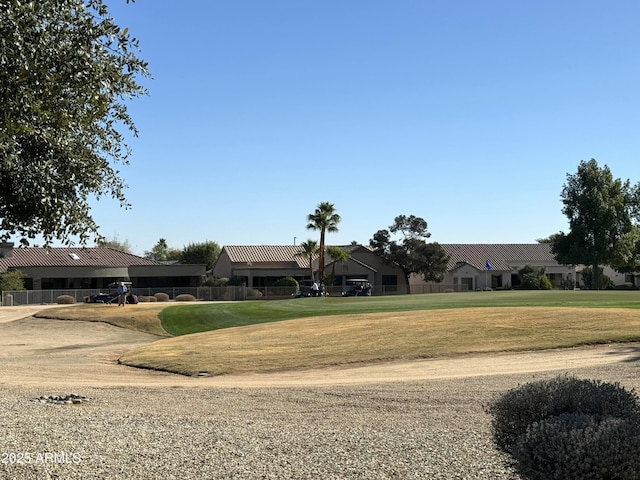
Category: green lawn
[193,318]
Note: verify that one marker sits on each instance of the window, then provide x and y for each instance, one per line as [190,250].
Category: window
[389,280]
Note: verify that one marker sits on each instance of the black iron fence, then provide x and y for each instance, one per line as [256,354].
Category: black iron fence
[228,293]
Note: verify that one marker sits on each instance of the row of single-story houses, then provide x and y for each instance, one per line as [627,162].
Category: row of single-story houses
[470,267]
[93,268]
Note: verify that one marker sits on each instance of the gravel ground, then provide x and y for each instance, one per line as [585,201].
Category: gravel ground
[337,423]
[435,429]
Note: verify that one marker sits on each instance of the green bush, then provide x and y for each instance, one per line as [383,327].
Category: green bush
[545,283]
[65,299]
[185,297]
[161,297]
[215,282]
[532,279]
[518,409]
[580,446]
[11,280]
[587,279]
[147,298]
[287,282]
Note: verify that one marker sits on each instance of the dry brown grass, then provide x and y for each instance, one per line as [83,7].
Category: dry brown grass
[351,339]
[142,317]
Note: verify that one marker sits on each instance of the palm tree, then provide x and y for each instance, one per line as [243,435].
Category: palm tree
[309,249]
[324,219]
[337,255]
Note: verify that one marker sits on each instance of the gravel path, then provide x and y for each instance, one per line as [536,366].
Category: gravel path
[150,426]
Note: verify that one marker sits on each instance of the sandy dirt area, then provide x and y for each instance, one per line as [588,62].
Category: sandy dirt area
[45,352]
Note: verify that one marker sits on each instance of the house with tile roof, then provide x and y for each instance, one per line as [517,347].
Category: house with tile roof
[93,268]
[261,265]
[496,265]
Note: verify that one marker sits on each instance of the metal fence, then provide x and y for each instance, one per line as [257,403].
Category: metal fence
[228,293]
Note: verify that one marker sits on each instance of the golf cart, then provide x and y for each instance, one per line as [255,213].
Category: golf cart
[358,287]
[112,295]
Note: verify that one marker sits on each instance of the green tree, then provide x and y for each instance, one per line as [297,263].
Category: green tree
[11,280]
[628,254]
[600,210]
[532,279]
[309,249]
[590,276]
[201,253]
[337,255]
[162,253]
[115,243]
[550,239]
[66,71]
[412,253]
[325,219]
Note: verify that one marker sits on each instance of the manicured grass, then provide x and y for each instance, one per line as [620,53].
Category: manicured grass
[366,337]
[142,317]
[312,332]
[193,318]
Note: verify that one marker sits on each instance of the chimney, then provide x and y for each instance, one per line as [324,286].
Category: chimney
[6,249]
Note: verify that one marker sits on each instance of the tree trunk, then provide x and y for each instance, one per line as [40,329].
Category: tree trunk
[321,259]
[596,277]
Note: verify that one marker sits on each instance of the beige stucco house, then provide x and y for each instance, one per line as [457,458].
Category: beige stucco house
[261,265]
[93,268]
[496,265]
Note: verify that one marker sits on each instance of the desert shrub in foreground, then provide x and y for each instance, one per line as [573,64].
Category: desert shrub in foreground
[579,446]
[185,297]
[147,298]
[522,407]
[161,297]
[65,299]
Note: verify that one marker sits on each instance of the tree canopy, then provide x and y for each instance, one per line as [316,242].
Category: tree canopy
[162,253]
[66,72]
[601,211]
[206,253]
[115,243]
[411,253]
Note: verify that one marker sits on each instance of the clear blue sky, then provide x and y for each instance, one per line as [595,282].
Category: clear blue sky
[467,113]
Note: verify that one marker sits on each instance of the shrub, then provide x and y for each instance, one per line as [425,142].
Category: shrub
[161,297]
[545,283]
[12,280]
[587,279]
[519,408]
[580,446]
[290,282]
[185,297]
[147,298]
[65,299]
[215,282]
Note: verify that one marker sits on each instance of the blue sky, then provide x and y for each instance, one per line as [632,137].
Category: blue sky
[468,114]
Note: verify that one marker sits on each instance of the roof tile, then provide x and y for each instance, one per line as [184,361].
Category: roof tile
[499,255]
[63,257]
